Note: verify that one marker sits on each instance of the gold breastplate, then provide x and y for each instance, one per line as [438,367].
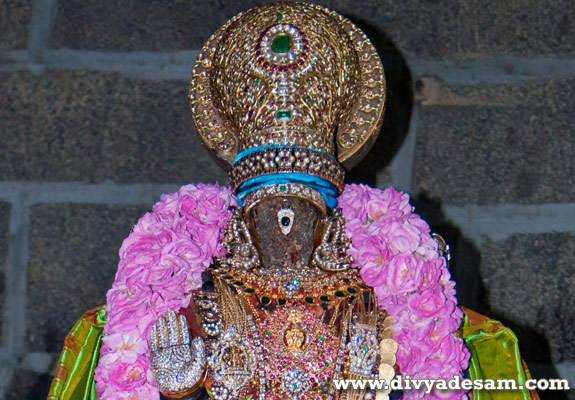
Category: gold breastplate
[266,346]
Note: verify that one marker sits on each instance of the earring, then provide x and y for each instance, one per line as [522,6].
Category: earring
[333,252]
[285,219]
[240,250]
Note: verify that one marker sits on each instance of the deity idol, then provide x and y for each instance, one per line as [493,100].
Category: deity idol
[288,282]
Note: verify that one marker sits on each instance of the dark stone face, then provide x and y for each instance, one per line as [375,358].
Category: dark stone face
[275,247]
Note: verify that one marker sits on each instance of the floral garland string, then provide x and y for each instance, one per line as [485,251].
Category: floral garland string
[161,263]
[162,260]
[399,259]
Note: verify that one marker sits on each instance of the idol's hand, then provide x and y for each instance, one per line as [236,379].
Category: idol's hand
[179,366]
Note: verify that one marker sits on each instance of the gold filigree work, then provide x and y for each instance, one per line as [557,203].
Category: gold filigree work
[288,74]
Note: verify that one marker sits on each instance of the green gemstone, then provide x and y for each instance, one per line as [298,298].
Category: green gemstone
[281,302]
[265,300]
[283,114]
[308,98]
[321,338]
[308,80]
[262,98]
[238,283]
[295,385]
[364,348]
[268,333]
[351,290]
[339,293]
[257,80]
[326,364]
[324,298]
[249,290]
[281,44]
[279,17]
[283,188]
[309,300]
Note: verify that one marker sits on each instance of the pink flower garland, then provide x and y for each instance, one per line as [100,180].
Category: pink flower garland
[161,263]
[399,259]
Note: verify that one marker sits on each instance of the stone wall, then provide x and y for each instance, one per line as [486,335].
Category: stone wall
[95,125]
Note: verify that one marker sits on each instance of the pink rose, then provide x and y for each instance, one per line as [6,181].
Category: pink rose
[128,345]
[128,376]
[404,273]
[427,303]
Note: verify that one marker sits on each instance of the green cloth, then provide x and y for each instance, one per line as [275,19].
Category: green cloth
[74,378]
[494,355]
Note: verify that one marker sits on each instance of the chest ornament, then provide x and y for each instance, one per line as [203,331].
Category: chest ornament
[233,361]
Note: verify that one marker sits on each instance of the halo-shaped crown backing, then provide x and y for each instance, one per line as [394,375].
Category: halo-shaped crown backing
[288,74]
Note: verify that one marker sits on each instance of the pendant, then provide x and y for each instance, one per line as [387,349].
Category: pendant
[233,361]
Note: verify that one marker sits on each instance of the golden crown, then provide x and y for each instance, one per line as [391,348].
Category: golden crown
[291,88]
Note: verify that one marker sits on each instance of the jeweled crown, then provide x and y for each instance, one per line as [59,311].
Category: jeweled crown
[288,88]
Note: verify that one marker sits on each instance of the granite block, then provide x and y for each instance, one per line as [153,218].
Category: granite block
[528,283]
[88,126]
[28,385]
[73,261]
[147,25]
[497,144]
[14,20]
[460,29]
